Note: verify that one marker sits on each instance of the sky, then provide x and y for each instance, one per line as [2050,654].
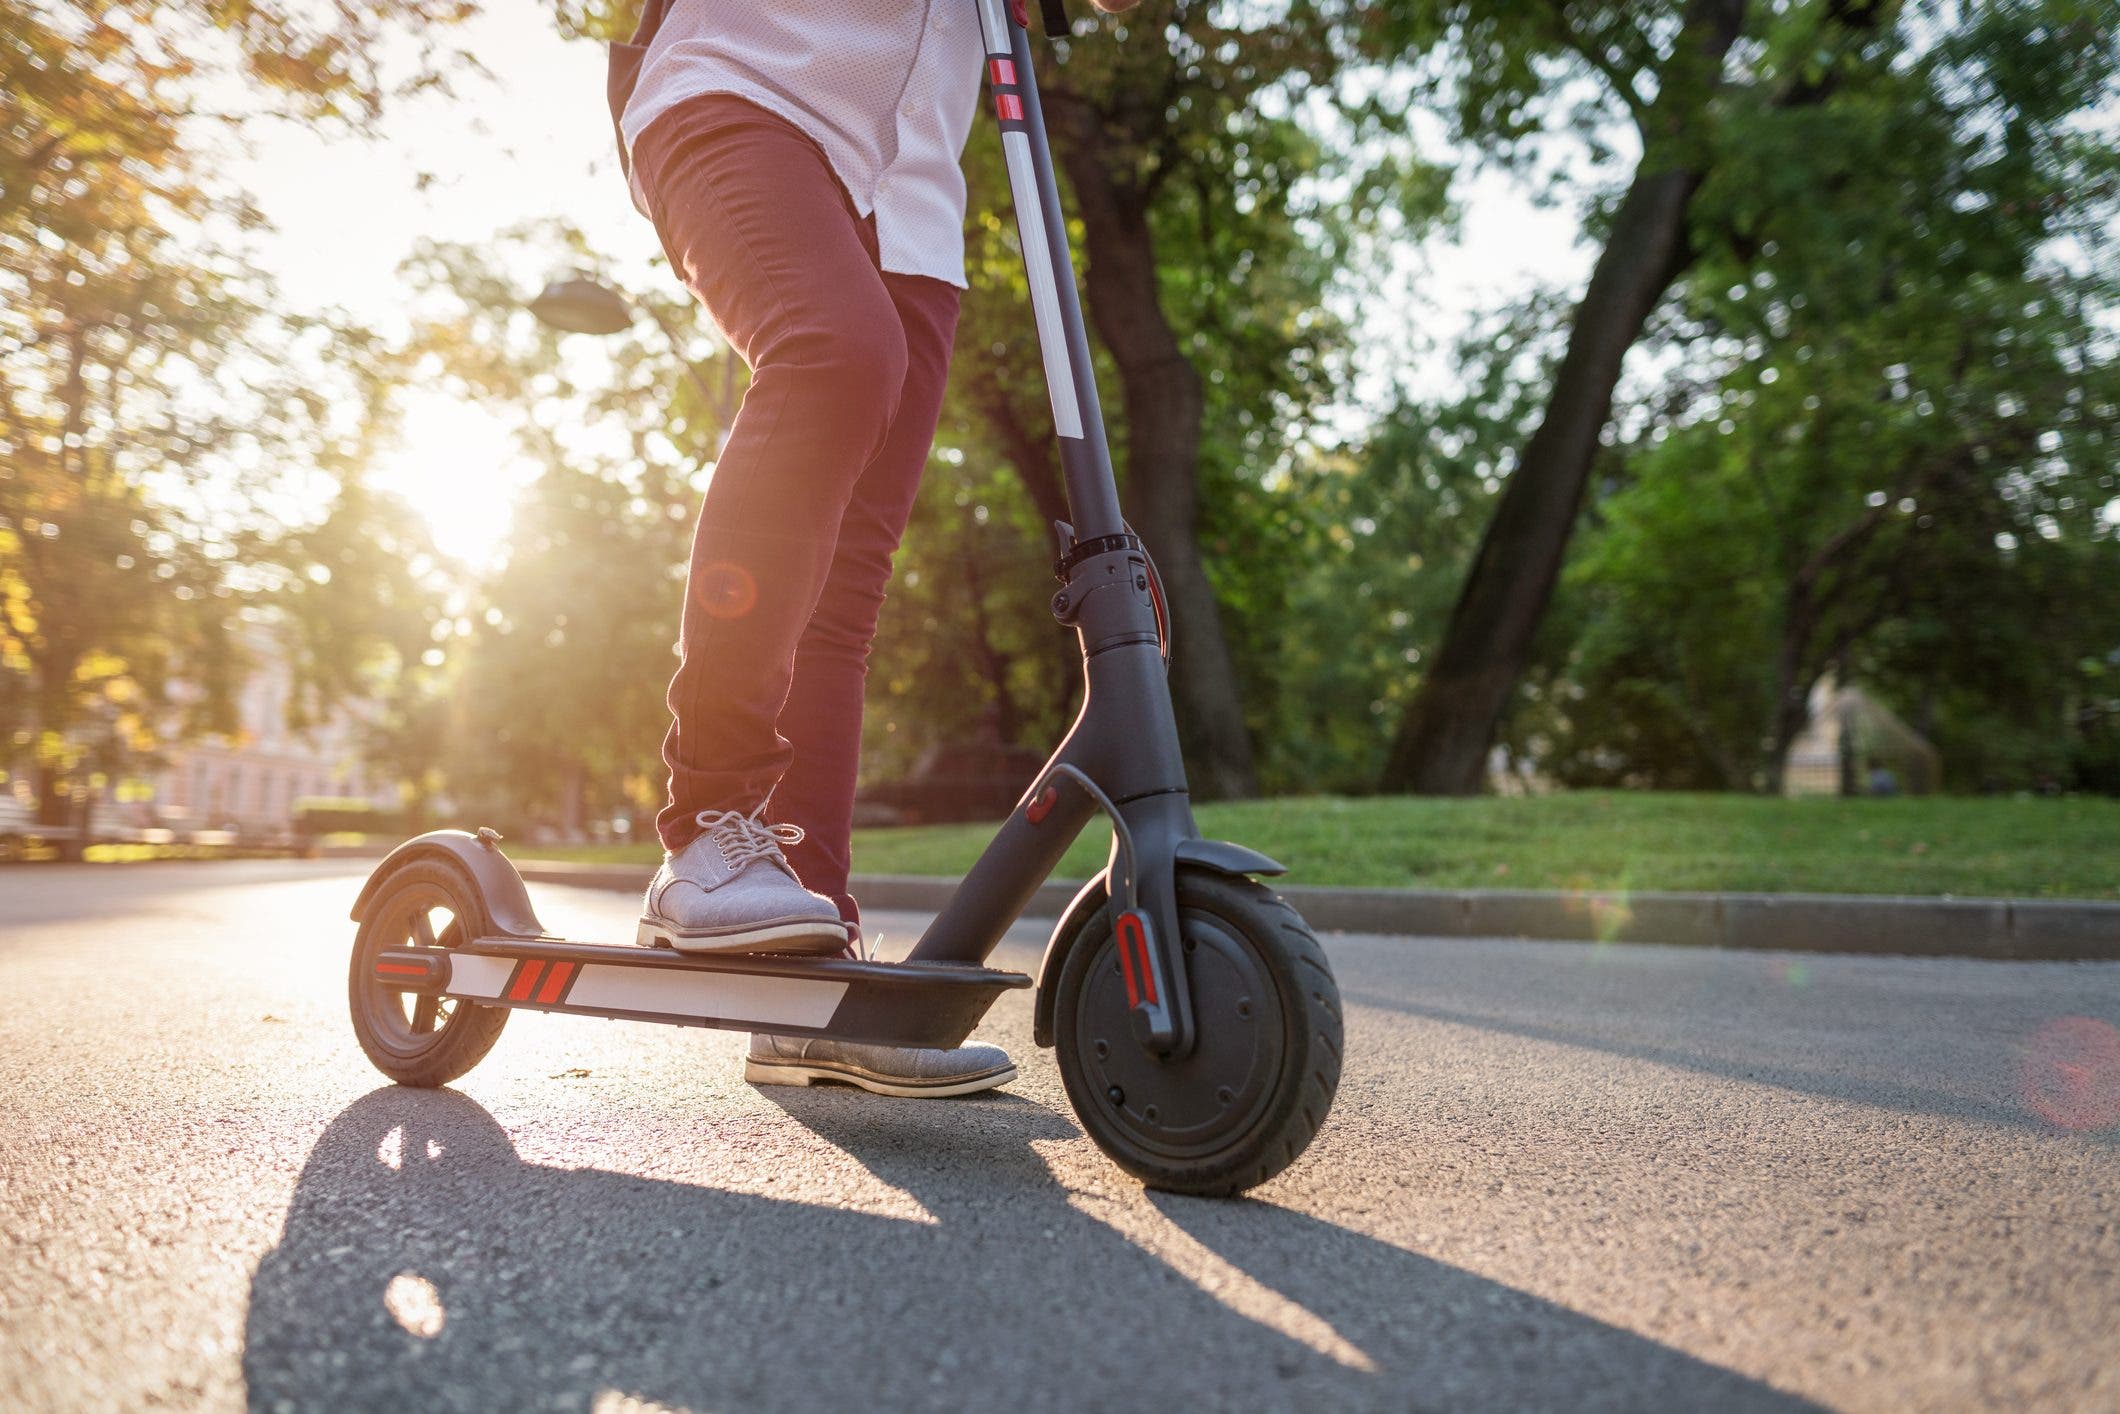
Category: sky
[534,140]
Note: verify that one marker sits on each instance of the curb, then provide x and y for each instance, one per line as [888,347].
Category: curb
[2003,930]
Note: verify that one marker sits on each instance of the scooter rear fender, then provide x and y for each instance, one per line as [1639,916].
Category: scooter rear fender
[500,889]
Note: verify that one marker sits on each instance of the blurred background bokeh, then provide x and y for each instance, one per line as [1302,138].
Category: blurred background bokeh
[1521,398]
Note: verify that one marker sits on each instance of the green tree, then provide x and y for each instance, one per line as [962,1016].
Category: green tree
[150,390]
[1895,459]
[371,607]
[966,645]
[1212,208]
[560,692]
[559,659]
[1382,529]
[1213,221]
[1681,79]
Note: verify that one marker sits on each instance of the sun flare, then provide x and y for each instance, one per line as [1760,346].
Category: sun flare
[459,466]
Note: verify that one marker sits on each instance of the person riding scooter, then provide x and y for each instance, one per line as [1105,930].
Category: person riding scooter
[799,159]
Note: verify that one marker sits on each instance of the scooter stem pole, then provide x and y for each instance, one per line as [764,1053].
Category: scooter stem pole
[1048,266]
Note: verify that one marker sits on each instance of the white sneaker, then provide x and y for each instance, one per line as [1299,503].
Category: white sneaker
[881,1070]
[731,890]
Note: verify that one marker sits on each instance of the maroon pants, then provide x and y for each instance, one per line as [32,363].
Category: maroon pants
[812,492]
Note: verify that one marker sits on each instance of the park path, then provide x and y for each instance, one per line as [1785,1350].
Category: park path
[1558,1176]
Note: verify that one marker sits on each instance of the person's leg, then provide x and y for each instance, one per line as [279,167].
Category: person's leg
[758,226]
[822,717]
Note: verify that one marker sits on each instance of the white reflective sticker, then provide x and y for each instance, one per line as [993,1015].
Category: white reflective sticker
[994,25]
[1045,293]
[724,996]
[474,976]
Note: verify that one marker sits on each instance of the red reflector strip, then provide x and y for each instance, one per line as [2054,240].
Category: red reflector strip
[1009,106]
[555,983]
[405,969]
[1134,961]
[1038,809]
[525,981]
[1002,70]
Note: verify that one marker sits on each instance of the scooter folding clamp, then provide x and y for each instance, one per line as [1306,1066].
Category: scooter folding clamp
[1080,550]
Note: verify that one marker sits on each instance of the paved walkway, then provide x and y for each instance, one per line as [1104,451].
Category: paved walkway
[1558,1177]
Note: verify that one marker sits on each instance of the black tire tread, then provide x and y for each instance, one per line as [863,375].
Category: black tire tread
[1298,1114]
[471,1030]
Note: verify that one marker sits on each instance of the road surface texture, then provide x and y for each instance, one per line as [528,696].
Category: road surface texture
[1558,1176]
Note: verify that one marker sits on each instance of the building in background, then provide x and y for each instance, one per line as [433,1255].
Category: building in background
[248,782]
[1855,745]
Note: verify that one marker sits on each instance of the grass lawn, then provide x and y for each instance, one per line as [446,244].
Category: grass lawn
[2067,848]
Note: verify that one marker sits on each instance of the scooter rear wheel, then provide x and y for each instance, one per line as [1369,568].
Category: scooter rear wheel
[1251,1096]
[416,1039]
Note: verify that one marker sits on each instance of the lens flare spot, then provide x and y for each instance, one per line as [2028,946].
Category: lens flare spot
[727,590]
[414,1304]
[2070,1073]
[611,1401]
[1796,974]
[1610,915]
[1607,907]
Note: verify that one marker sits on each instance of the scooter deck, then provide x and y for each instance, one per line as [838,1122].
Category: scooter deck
[884,1003]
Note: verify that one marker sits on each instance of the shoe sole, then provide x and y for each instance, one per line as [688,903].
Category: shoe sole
[759,1072]
[797,935]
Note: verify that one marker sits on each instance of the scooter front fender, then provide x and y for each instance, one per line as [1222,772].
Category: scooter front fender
[1221,856]
[500,889]
[1087,900]
[1226,858]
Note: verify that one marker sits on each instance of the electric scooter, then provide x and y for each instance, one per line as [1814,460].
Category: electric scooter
[1193,1014]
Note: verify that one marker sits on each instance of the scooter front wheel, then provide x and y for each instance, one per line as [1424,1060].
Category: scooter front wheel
[1257,1086]
[415,1038]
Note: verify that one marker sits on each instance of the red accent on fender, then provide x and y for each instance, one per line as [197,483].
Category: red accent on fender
[525,980]
[1009,106]
[405,969]
[1126,966]
[1019,14]
[555,983]
[1133,943]
[1038,809]
[1002,70]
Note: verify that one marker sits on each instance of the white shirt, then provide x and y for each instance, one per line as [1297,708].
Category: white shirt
[886,87]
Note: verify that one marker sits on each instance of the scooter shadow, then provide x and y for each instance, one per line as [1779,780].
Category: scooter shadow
[562,1288]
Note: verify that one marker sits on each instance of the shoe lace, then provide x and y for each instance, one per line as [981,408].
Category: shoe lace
[743,838]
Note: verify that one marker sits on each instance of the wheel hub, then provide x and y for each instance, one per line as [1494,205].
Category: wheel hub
[1194,1105]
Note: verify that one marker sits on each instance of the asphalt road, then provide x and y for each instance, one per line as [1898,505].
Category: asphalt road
[1558,1176]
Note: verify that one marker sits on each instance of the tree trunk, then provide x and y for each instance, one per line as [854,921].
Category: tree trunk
[994,664]
[1164,405]
[58,807]
[1806,600]
[1793,682]
[1030,451]
[1442,741]
[52,666]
